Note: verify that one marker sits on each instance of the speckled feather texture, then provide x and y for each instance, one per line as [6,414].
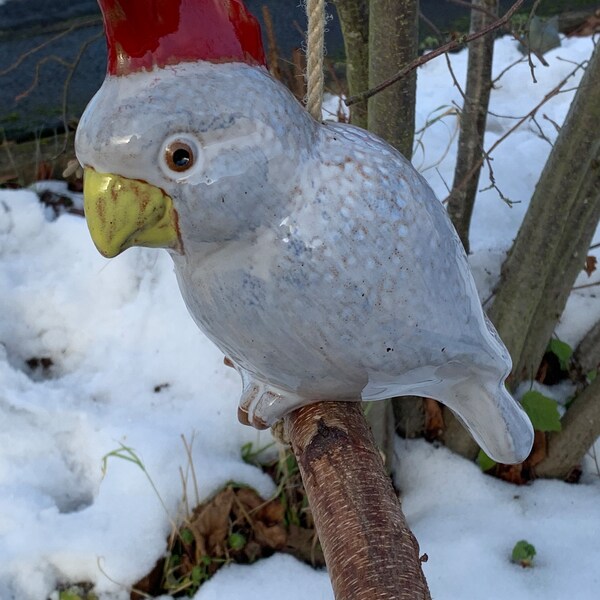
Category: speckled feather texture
[314,256]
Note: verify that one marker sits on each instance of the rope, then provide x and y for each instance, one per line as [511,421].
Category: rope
[315,49]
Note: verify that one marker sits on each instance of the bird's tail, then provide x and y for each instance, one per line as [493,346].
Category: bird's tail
[493,417]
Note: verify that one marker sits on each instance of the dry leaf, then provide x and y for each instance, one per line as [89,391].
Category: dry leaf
[590,265]
[210,524]
[274,537]
[303,544]
[271,513]
[539,450]
[434,419]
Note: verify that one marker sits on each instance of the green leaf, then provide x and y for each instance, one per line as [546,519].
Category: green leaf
[562,351]
[591,375]
[484,461]
[69,595]
[187,537]
[523,553]
[197,575]
[236,541]
[542,411]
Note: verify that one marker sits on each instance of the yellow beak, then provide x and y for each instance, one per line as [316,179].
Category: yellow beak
[122,212]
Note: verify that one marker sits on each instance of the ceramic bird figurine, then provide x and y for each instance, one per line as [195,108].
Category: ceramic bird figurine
[314,255]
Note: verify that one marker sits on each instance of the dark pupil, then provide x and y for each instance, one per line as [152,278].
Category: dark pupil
[181,157]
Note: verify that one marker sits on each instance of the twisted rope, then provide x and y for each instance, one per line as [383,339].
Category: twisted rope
[315,49]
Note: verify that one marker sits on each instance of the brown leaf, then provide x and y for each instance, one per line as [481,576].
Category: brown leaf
[434,419]
[590,265]
[511,473]
[210,524]
[539,450]
[253,551]
[304,545]
[271,513]
[274,537]
[249,498]
[148,584]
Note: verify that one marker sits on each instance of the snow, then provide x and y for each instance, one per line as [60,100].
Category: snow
[129,368]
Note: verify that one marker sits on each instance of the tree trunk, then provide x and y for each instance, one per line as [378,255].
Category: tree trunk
[354,19]
[587,353]
[393,43]
[472,120]
[552,243]
[380,416]
[580,429]
[370,552]
[544,262]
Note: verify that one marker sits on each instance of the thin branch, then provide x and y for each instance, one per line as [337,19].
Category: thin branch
[455,81]
[516,35]
[506,69]
[552,121]
[493,185]
[430,24]
[36,77]
[541,134]
[41,46]
[553,92]
[448,47]
[587,285]
[67,85]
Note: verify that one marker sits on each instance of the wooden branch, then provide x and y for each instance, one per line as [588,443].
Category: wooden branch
[354,20]
[587,353]
[559,225]
[580,429]
[473,118]
[370,552]
[448,47]
[393,32]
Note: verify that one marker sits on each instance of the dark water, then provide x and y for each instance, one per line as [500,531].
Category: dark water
[33,96]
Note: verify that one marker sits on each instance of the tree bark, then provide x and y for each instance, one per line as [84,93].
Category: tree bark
[370,552]
[380,417]
[354,19]
[472,120]
[587,353]
[545,260]
[552,243]
[393,43]
[580,429]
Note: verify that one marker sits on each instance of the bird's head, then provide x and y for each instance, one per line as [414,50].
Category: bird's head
[189,140]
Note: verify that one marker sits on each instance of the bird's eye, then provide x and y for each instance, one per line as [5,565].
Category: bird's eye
[179,156]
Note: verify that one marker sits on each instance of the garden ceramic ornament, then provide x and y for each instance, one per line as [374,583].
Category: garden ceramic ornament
[314,255]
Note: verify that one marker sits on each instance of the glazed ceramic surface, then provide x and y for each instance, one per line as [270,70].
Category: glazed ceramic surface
[314,256]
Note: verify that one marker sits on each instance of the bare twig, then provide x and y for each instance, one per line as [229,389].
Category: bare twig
[515,34]
[455,81]
[527,43]
[553,92]
[67,85]
[542,135]
[506,69]
[493,185]
[36,77]
[448,47]
[556,125]
[587,285]
[43,45]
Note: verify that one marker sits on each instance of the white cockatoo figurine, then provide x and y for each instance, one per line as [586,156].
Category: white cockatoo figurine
[313,254]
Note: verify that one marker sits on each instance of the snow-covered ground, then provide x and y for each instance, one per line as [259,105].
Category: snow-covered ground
[129,367]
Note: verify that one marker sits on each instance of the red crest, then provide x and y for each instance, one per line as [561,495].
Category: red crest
[142,34]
